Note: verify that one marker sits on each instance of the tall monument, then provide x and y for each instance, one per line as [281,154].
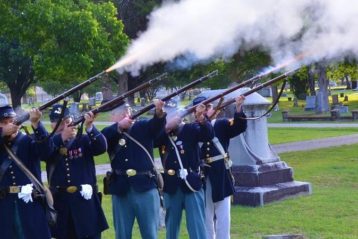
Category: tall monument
[260,175]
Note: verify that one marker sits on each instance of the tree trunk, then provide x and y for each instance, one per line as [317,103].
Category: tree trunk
[19,86]
[311,81]
[348,83]
[77,96]
[322,94]
[16,96]
[274,92]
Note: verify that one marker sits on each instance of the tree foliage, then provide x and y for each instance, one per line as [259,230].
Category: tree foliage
[66,41]
[299,83]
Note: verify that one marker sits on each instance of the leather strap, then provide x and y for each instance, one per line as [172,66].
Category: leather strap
[181,164]
[37,184]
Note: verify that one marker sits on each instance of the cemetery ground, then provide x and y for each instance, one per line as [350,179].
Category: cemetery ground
[331,211]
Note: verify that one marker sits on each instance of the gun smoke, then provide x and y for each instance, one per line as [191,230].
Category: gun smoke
[209,29]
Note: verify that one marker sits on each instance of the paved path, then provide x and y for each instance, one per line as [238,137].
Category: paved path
[316,144]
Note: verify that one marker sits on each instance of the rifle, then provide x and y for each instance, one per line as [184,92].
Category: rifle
[168,97]
[119,100]
[207,101]
[259,87]
[22,118]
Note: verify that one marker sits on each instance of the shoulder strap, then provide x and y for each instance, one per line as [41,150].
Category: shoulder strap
[218,146]
[37,184]
[5,165]
[181,165]
[176,152]
[140,145]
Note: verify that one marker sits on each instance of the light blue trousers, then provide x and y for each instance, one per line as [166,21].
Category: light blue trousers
[194,206]
[143,206]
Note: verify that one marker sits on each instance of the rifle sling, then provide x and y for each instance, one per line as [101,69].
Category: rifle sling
[272,106]
[37,184]
[7,162]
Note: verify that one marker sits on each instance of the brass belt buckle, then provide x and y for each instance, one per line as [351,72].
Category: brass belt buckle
[14,189]
[71,189]
[131,172]
[209,160]
[171,172]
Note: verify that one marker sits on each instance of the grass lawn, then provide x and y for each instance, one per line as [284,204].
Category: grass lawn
[331,212]
[286,135]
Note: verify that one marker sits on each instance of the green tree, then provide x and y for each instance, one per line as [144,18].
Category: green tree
[346,70]
[66,42]
[299,83]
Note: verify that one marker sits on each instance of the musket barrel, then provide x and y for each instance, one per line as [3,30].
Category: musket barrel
[207,101]
[259,87]
[119,100]
[168,97]
[22,118]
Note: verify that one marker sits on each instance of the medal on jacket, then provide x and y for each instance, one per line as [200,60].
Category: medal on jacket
[63,151]
[180,146]
[122,142]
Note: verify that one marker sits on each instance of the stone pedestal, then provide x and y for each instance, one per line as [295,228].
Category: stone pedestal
[260,176]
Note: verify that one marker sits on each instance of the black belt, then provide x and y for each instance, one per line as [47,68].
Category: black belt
[70,189]
[4,192]
[132,172]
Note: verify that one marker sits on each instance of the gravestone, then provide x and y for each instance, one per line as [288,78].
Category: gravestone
[92,102]
[335,100]
[260,176]
[265,92]
[75,109]
[3,99]
[310,102]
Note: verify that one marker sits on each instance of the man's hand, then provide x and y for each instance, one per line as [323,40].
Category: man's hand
[125,123]
[159,107]
[9,129]
[239,102]
[35,116]
[68,131]
[89,118]
[199,113]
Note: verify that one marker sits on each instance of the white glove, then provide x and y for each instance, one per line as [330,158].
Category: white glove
[228,163]
[86,191]
[183,173]
[26,192]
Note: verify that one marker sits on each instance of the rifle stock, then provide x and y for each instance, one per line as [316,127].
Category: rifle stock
[22,118]
[168,97]
[119,100]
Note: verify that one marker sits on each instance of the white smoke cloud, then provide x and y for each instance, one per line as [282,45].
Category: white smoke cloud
[208,29]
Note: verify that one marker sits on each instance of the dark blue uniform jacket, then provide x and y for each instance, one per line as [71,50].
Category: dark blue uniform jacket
[129,155]
[187,140]
[220,177]
[32,214]
[75,169]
